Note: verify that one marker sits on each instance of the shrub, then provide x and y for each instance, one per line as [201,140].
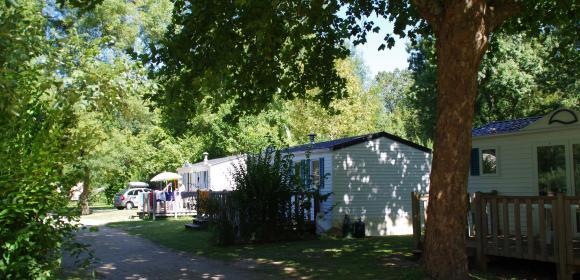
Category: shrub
[34,218]
[268,203]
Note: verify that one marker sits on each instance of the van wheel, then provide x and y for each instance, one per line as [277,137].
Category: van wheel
[129,205]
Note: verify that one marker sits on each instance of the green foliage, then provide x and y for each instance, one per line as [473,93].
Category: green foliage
[399,117]
[66,98]
[72,92]
[268,203]
[287,122]
[357,113]
[522,76]
[393,87]
[250,53]
[34,223]
[247,53]
[112,134]
[519,77]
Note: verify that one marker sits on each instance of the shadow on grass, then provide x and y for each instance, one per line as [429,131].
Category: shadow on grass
[327,258]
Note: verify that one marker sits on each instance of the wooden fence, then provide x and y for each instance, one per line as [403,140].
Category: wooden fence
[537,228]
[301,208]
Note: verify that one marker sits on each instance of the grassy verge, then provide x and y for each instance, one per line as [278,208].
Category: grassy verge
[327,258]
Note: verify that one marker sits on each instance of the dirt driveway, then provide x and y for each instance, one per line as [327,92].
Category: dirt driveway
[123,256]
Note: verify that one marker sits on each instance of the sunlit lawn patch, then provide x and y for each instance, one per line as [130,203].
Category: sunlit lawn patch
[328,258]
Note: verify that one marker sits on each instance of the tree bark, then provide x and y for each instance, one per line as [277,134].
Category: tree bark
[461,39]
[462,30]
[84,197]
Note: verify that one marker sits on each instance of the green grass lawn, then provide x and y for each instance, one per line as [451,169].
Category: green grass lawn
[93,206]
[327,258]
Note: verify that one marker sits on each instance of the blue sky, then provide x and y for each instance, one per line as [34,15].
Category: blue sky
[387,59]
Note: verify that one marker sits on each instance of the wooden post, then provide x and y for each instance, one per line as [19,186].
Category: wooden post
[197,213]
[154,208]
[416,219]
[530,229]
[569,231]
[174,206]
[518,230]
[506,228]
[561,236]
[480,234]
[555,217]
[495,223]
[542,220]
[296,209]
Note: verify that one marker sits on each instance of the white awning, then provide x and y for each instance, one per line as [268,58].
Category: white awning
[166,176]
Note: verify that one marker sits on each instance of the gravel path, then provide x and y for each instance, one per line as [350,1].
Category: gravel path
[124,256]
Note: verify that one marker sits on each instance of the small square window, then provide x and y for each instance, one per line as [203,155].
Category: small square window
[489,161]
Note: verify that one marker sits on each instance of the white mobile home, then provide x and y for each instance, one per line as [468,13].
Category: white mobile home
[528,157]
[371,177]
[210,174]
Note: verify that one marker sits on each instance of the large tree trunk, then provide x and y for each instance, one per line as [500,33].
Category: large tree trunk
[84,197]
[461,39]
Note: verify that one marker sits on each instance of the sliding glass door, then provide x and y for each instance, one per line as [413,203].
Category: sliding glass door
[551,162]
[558,171]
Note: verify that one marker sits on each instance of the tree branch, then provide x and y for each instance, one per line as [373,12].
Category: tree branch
[430,10]
[500,10]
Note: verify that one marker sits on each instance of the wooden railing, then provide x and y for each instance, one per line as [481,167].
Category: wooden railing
[181,205]
[299,207]
[525,227]
[503,229]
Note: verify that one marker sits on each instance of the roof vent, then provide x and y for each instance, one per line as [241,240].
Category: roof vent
[205,154]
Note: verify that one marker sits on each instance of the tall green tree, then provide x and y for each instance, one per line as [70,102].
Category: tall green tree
[520,76]
[34,223]
[98,76]
[70,99]
[393,87]
[398,117]
[288,122]
[359,112]
[256,50]
[229,127]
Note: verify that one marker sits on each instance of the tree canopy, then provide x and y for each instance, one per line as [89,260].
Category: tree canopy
[520,76]
[68,93]
[103,92]
[254,51]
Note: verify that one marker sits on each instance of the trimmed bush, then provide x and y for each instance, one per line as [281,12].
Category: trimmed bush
[268,203]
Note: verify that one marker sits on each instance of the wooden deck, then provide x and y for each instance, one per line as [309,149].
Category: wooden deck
[182,206]
[535,228]
[491,249]
[166,214]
